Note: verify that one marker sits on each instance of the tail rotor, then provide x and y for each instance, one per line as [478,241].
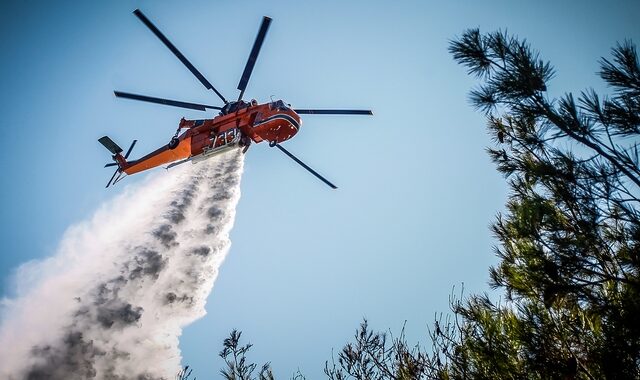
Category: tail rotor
[117,157]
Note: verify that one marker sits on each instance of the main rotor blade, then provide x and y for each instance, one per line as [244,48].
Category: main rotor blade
[321,178]
[166,102]
[177,53]
[334,112]
[266,21]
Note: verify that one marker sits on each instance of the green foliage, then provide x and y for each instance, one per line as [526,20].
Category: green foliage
[378,356]
[185,374]
[569,241]
[238,368]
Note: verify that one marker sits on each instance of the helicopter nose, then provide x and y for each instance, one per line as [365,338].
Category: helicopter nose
[278,127]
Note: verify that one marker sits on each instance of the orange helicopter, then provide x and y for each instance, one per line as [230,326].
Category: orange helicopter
[238,124]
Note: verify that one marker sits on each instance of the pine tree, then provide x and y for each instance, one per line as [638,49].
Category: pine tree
[237,366]
[570,239]
[569,242]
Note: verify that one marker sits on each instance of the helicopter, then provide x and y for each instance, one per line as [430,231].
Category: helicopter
[238,123]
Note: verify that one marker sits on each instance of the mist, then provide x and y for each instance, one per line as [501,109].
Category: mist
[112,301]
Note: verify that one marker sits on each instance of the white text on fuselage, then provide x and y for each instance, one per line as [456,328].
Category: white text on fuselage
[224,138]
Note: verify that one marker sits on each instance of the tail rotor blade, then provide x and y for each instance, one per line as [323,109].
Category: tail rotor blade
[333,112]
[112,177]
[177,53]
[253,56]
[130,149]
[321,178]
[110,164]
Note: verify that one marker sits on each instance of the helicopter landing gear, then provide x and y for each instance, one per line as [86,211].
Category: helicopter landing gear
[273,143]
[245,141]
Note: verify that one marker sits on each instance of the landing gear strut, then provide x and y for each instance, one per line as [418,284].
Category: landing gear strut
[245,141]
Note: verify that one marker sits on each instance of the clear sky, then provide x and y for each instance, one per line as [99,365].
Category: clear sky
[417,191]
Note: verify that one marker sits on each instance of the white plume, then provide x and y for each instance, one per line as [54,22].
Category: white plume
[112,302]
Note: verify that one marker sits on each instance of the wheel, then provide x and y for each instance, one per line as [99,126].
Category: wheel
[173,144]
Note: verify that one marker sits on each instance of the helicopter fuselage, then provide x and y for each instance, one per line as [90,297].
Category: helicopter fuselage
[237,125]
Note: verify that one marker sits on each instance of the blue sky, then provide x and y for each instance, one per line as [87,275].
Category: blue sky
[417,191]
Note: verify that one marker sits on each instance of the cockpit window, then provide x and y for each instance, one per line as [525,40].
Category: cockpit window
[279,104]
[233,107]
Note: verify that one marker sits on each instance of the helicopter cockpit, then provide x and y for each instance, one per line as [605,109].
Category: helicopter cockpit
[233,107]
[279,105]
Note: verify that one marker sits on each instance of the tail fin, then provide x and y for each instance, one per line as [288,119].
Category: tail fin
[110,145]
[120,161]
